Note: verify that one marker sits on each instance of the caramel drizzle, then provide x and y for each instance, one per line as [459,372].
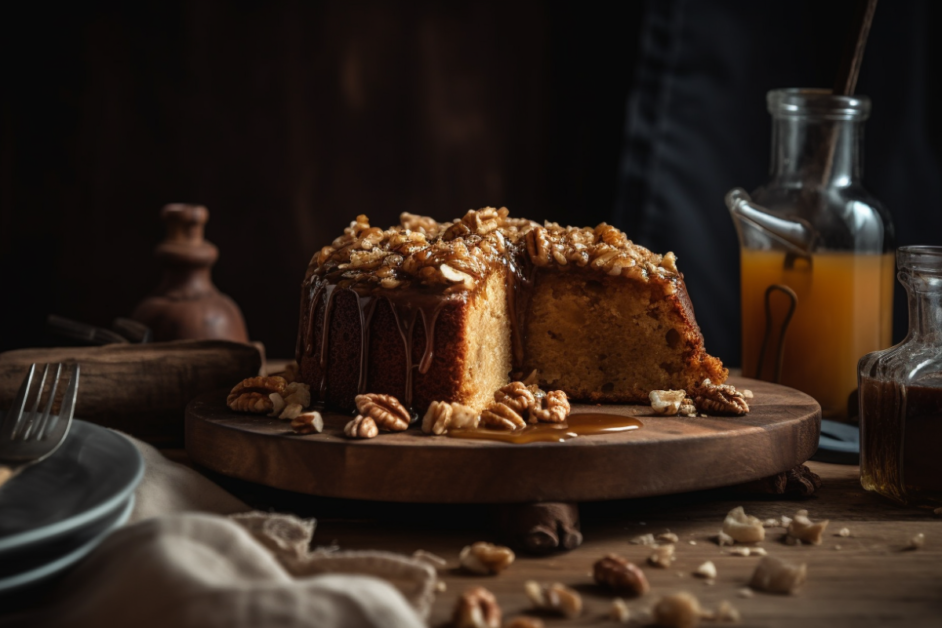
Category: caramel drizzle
[325,336]
[366,319]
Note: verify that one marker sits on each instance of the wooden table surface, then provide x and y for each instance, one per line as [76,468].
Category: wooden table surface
[868,579]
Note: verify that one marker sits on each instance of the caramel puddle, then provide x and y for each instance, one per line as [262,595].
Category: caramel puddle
[583,424]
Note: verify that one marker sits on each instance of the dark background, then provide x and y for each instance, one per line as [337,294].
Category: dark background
[286,119]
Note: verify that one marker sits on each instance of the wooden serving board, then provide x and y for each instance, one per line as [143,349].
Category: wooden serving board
[667,455]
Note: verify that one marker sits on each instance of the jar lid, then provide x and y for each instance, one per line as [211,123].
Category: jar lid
[817,103]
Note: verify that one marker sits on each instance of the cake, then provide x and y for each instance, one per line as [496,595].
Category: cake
[428,311]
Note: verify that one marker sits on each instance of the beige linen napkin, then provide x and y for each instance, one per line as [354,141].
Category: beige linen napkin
[172,566]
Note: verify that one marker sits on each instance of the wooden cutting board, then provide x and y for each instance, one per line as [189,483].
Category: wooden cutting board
[667,455]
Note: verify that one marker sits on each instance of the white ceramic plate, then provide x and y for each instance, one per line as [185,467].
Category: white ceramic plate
[88,478]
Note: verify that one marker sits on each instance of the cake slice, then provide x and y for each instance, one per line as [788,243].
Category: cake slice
[429,311]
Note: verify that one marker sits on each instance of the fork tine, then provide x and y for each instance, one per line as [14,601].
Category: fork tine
[68,402]
[15,413]
[42,423]
[32,418]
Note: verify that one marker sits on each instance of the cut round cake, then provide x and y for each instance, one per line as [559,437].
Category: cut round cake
[428,311]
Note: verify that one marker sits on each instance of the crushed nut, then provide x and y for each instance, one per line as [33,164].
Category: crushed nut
[385,410]
[843,532]
[804,530]
[434,560]
[706,570]
[517,396]
[745,592]
[556,598]
[771,523]
[667,537]
[500,416]
[667,402]
[743,528]
[726,613]
[553,407]
[277,404]
[477,608]
[252,394]
[441,586]
[643,539]
[724,539]
[485,559]
[291,412]
[719,399]
[662,557]
[917,542]
[524,622]
[297,392]
[740,551]
[308,423]
[680,610]
[361,427]
[747,394]
[619,611]
[785,521]
[691,542]
[774,575]
[443,416]
[291,372]
[620,575]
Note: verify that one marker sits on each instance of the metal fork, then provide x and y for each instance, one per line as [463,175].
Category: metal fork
[29,436]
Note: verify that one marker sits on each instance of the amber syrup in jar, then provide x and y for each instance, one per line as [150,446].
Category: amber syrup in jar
[901,393]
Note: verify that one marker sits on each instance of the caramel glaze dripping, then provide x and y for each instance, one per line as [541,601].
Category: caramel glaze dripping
[331,292]
[406,312]
[582,424]
[366,305]
[518,279]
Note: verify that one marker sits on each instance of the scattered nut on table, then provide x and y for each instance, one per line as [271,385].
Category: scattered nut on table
[667,537]
[619,611]
[667,402]
[620,575]
[680,610]
[843,532]
[743,528]
[477,608]
[774,575]
[553,407]
[442,416]
[643,539]
[485,558]
[803,530]
[308,423]
[385,410]
[554,598]
[722,399]
[726,613]
[706,570]
[662,557]
[724,539]
[361,427]
[917,542]
[252,394]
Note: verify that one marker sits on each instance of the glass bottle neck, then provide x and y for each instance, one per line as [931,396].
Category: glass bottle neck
[925,312]
[810,151]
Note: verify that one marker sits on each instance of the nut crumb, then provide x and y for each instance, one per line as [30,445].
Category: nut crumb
[485,558]
[844,532]
[706,570]
[667,537]
[745,592]
[743,528]
[556,598]
[724,539]
[805,530]
[726,613]
[619,611]
[477,608]
[771,523]
[643,539]
[837,547]
[758,551]
[691,542]
[748,394]
[440,586]
[774,575]
[680,610]
[740,551]
[917,542]
[620,575]
[361,427]
[662,557]
[667,402]
[308,423]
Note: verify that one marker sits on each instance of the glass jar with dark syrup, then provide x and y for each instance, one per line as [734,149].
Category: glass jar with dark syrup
[901,393]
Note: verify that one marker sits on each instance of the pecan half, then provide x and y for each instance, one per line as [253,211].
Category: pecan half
[555,598]
[485,558]
[252,394]
[385,410]
[516,395]
[501,416]
[477,608]
[361,427]
[620,575]
[710,398]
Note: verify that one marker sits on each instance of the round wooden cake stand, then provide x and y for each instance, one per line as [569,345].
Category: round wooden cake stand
[667,455]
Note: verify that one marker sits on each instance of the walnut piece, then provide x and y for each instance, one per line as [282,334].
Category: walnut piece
[643,539]
[917,542]
[725,613]
[385,410]
[843,532]
[620,575]
[743,528]
[551,408]
[706,570]
[442,416]
[515,395]
[680,610]
[555,598]
[252,394]
[308,423]
[500,416]
[804,530]
[719,399]
[619,611]
[486,559]
[477,608]
[361,427]
[774,575]
[667,402]
[667,537]
[724,539]
[662,557]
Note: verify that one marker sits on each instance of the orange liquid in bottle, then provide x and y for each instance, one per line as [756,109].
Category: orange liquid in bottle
[845,310]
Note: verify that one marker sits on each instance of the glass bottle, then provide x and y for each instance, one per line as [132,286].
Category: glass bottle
[901,392]
[824,242]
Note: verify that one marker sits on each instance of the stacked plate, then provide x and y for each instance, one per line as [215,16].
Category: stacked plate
[56,512]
